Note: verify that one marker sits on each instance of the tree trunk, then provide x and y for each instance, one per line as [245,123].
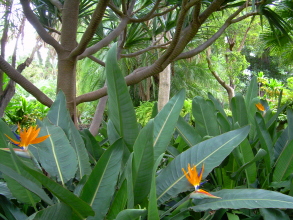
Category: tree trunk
[164,80]
[96,122]
[164,87]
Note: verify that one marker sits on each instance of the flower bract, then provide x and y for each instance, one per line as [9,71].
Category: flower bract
[194,178]
[260,107]
[28,136]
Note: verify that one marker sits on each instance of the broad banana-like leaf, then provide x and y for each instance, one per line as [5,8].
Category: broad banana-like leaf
[10,210]
[286,137]
[119,202]
[59,211]
[224,123]
[274,214]
[16,174]
[58,113]
[244,199]
[121,110]
[250,173]
[4,129]
[239,111]
[153,212]
[284,164]
[4,190]
[187,132]
[171,181]
[56,155]
[205,117]
[26,183]
[79,207]
[92,145]
[217,104]
[129,178]
[100,186]
[165,122]
[252,91]
[83,167]
[131,214]
[265,141]
[143,162]
[248,156]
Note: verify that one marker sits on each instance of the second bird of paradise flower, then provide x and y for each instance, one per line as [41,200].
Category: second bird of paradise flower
[194,178]
[27,137]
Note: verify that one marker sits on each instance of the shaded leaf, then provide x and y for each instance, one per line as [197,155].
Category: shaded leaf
[171,181]
[100,186]
[165,122]
[121,110]
[244,198]
[56,154]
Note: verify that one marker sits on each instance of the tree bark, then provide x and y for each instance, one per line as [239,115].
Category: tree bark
[97,120]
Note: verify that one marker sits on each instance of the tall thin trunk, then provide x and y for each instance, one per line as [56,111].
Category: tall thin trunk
[164,87]
[165,81]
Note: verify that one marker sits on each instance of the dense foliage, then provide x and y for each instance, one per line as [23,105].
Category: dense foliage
[136,173]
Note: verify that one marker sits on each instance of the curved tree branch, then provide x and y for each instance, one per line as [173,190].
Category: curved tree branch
[116,10]
[31,17]
[91,29]
[27,85]
[57,4]
[148,15]
[97,60]
[212,39]
[146,50]
[107,40]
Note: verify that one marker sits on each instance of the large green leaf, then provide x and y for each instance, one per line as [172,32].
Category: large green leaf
[59,211]
[58,113]
[131,214]
[4,129]
[16,173]
[211,153]
[274,214]
[248,156]
[153,212]
[252,91]
[78,145]
[78,206]
[286,137]
[129,177]
[81,208]
[143,161]
[244,199]
[100,186]
[119,202]
[284,164]
[121,111]
[265,141]
[26,183]
[239,111]
[205,117]
[187,132]
[165,122]
[56,155]
[91,144]
[11,211]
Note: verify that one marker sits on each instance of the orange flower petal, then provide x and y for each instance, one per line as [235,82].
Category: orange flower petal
[29,136]
[13,141]
[260,107]
[39,139]
[202,194]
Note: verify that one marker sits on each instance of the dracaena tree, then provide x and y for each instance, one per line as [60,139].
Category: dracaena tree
[84,28]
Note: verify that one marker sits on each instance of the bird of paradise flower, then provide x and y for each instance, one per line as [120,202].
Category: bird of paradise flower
[194,178]
[26,137]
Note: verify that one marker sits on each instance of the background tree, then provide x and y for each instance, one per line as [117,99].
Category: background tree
[87,27]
